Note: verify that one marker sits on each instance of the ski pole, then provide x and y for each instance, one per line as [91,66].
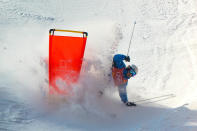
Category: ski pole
[131,38]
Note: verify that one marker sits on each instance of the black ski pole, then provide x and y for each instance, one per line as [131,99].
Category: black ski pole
[131,38]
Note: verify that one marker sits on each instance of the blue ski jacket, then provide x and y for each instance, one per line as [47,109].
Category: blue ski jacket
[119,64]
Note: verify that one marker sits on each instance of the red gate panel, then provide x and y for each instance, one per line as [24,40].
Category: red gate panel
[65,60]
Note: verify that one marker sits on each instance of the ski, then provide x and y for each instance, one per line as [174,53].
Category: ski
[164,98]
[158,98]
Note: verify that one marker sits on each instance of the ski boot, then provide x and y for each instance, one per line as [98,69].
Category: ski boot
[130,104]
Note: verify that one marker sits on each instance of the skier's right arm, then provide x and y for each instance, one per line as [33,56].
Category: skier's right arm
[118,61]
[119,57]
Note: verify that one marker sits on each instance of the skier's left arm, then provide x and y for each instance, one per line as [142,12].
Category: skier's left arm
[127,74]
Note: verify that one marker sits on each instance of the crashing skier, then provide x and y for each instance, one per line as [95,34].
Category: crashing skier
[121,74]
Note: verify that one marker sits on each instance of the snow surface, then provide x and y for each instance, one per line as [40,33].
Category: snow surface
[164,47]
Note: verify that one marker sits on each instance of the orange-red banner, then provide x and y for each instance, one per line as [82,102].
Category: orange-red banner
[65,61]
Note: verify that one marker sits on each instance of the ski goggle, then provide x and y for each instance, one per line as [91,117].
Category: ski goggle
[132,72]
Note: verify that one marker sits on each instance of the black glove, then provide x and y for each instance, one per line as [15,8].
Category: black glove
[128,68]
[127,58]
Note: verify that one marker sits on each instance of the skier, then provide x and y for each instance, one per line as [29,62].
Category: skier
[121,74]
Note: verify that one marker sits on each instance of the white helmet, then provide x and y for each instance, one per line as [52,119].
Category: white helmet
[135,68]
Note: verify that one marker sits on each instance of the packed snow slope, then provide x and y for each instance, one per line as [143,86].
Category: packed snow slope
[164,47]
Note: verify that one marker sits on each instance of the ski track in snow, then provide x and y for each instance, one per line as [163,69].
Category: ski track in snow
[163,47]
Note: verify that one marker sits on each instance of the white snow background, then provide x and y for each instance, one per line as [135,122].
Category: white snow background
[164,47]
